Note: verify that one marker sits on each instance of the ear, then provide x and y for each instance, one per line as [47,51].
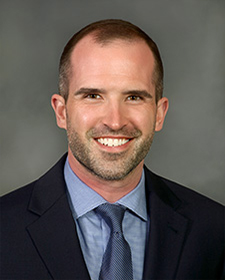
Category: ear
[59,106]
[162,108]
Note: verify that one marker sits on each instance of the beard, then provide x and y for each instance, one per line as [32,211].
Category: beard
[105,165]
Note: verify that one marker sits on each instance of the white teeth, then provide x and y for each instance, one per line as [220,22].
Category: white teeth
[111,142]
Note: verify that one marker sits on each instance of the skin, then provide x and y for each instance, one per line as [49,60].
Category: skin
[111,95]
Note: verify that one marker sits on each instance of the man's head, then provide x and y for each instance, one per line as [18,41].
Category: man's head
[105,32]
[110,109]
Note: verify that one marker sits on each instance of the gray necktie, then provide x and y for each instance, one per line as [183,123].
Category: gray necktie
[116,262]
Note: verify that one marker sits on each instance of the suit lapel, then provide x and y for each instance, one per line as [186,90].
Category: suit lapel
[168,229]
[55,238]
[54,233]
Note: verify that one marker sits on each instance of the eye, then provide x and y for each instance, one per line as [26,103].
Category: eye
[93,96]
[134,98]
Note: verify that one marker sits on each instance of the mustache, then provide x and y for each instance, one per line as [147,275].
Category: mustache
[107,131]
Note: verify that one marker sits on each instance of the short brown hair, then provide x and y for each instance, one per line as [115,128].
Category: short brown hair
[105,31]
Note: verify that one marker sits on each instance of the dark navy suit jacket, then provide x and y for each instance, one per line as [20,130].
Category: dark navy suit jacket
[39,238]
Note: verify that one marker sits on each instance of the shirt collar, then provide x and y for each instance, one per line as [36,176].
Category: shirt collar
[84,199]
[136,199]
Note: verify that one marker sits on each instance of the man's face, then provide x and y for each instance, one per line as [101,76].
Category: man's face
[111,113]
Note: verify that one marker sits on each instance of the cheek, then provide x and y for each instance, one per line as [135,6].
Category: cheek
[144,120]
[80,118]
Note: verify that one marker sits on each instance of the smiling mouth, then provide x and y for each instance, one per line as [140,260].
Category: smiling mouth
[113,142]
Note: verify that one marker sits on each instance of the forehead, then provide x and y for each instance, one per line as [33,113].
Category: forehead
[92,61]
[88,49]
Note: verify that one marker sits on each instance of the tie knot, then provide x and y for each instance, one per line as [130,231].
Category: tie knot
[112,214]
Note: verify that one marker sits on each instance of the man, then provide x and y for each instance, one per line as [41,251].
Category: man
[110,104]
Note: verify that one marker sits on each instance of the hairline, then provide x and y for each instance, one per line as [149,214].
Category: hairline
[105,43]
[65,61]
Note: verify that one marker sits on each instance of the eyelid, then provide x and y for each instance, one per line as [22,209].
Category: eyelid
[142,94]
[138,97]
[91,95]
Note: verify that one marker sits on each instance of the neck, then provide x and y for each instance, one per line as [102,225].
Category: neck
[111,191]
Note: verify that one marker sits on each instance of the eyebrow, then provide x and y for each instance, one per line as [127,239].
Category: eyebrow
[142,93]
[89,91]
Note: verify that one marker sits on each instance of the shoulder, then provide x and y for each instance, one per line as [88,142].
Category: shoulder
[49,185]
[15,215]
[17,199]
[192,197]
[191,203]
[182,192]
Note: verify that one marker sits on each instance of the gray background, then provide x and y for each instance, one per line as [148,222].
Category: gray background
[191,38]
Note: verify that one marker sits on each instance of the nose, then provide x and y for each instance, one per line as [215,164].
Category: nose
[115,115]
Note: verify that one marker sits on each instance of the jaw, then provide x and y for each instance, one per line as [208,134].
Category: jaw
[110,190]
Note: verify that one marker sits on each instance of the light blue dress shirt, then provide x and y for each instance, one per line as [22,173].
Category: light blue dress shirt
[94,233]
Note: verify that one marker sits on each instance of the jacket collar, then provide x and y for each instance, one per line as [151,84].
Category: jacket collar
[54,233]
[48,189]
[55,238]
[168,229]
